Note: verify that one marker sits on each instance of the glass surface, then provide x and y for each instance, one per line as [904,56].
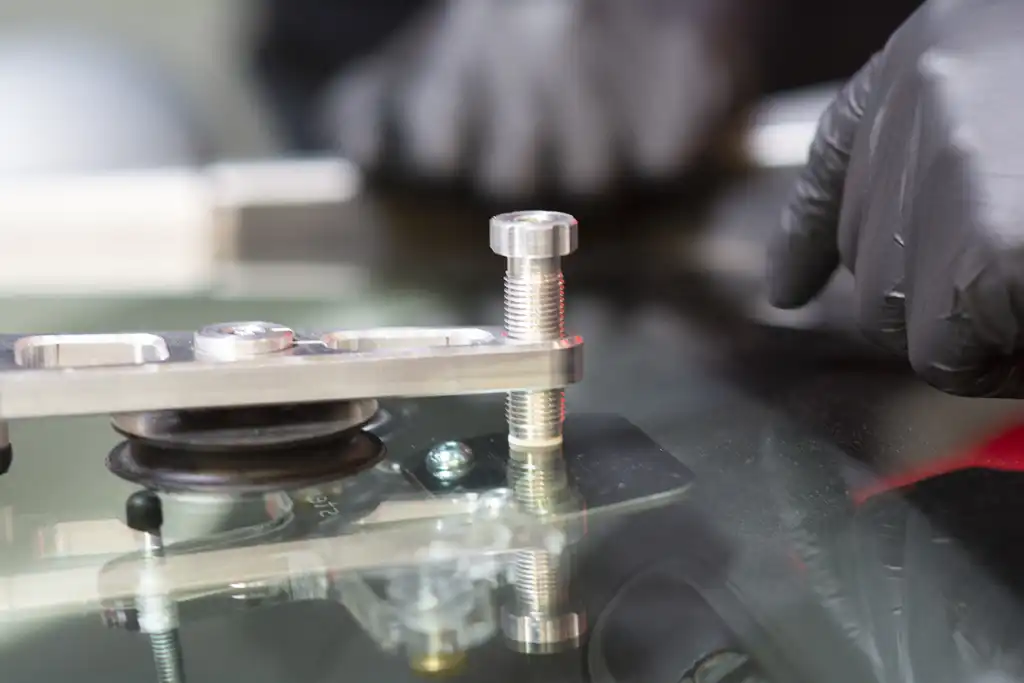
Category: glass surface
[718,497]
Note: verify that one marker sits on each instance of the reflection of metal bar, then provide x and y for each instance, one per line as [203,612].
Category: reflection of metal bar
[370,550]
[406,510]
[485,532]
[86,538]
[109,537]
[410,545]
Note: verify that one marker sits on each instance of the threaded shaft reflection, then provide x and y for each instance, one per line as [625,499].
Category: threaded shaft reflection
[167,657]
[540,486]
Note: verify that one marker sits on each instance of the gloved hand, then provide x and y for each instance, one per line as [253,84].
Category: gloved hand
[534,95]
[916,184]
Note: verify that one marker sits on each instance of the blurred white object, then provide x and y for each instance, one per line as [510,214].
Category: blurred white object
[482,89]
[146,232]
[73,105]
[783,126]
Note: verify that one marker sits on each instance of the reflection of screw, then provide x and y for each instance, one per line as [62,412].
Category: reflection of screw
[541,620]
[450,461]
[156,611]
[435,609]
[534,243]
[241,340]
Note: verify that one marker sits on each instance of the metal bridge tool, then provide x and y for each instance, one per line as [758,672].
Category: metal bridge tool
[257,405]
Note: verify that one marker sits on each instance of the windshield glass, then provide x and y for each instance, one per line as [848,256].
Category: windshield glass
[716,505]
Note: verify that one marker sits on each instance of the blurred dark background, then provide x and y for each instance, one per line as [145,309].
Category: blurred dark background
[241,67]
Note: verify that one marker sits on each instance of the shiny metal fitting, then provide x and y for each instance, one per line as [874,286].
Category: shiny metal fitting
[450,461]
[534,242]
[543,634]
[242,340]
[534,234]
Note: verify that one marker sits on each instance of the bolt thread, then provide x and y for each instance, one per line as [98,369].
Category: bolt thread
[167,657]
[539,482]
[534,302]
[535,311]
[540,589]
[535,415]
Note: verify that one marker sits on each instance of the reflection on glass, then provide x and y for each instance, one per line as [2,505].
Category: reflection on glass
[430,568]
[541,618]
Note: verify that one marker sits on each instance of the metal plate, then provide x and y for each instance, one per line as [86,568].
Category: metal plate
[610,462]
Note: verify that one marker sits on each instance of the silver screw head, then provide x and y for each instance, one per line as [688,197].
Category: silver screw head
[450,461]
[534,234]
[241,340]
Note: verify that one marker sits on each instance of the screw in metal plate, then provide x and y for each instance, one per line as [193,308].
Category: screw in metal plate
[450,461]
[157,613]
[241,340]
[534,242]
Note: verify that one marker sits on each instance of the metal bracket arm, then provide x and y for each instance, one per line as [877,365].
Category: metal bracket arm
[82,374]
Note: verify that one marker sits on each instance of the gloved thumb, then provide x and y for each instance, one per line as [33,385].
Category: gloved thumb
[804,252]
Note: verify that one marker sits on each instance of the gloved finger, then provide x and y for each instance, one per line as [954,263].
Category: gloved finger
[673,97]
[964,272]
[581,142]
[804,253]
[870,233]
[510,124]
[962,330]
[956,340]
[881,315]
[354,113]
[433,109]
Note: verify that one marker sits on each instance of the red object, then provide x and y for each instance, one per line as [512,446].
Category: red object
[1003,452]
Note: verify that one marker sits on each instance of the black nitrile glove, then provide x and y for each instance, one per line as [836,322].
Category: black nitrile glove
[530,96]
[916,184]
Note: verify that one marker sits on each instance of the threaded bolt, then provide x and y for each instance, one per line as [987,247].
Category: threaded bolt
[158,616]
[167,656]
[534,243]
